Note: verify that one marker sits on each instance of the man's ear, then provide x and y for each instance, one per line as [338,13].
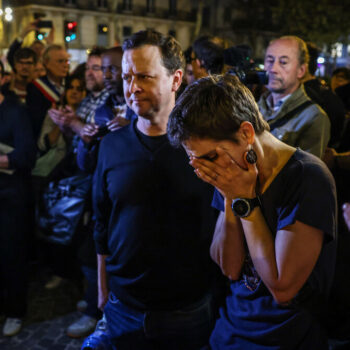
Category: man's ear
[302,71]
[177,79]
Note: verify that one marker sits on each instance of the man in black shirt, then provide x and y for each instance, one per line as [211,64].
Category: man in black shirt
[153,217]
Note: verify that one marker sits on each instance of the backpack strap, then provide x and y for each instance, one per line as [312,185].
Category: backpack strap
[289,115]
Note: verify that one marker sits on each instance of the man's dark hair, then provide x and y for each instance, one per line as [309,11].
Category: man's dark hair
[313,56]
[342,71]
[209,54]
[214,107]
[24,53]
[97,51]
[170,49]
[114,49]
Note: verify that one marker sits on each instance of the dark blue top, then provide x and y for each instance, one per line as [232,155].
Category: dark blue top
[87,153]
[304,190]
[38,105]
[15,131]
[154,220]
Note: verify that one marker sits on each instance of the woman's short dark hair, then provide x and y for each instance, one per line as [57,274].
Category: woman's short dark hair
[214,107]
[172,56]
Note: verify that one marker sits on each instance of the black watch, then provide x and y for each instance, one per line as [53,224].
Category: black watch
[242,207]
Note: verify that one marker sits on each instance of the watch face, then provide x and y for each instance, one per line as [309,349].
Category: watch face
[241,207]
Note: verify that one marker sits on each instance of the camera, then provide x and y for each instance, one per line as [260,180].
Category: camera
[239,59]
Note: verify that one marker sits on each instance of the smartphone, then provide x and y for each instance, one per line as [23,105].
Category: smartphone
[44,24]
[102,131]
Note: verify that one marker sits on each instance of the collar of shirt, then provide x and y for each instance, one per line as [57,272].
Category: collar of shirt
[277,106]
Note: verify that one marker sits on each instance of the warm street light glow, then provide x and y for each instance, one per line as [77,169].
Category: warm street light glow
[8,17]
[1,12]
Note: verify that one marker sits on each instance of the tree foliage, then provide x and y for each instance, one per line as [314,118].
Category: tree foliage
[323,21]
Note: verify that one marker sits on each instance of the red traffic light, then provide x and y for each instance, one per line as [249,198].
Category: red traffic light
[71,25]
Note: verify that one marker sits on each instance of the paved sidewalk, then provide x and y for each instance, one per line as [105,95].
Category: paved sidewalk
[50,312]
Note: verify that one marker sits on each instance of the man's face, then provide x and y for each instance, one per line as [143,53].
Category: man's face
[93,74]
[58,63]
[149,89]
[112,73]
[283,67]
[24,68]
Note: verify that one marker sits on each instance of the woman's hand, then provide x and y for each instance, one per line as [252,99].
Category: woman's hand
[231,180]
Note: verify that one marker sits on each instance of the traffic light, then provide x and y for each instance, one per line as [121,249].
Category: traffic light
[39,35]
[70,31]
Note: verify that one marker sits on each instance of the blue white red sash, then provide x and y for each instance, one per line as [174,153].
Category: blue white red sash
[47,89]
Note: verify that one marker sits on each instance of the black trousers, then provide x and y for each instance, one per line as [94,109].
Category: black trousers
[13,251]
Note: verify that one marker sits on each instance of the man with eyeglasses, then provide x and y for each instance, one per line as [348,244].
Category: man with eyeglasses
[25,60]
[112,115]
[47,90]
[97,96]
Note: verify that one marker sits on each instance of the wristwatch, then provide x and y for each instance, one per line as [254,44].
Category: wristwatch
[242,207]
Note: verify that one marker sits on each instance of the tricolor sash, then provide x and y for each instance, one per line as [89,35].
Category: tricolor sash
[47,89]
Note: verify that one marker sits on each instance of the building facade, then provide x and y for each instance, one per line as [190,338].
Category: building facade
[101,22]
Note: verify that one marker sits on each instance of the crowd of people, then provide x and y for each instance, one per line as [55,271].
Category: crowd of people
[210,217]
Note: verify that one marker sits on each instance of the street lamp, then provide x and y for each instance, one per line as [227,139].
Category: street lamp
[7,13]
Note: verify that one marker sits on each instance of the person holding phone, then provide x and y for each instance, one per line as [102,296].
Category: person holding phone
[275,238]
[109,117]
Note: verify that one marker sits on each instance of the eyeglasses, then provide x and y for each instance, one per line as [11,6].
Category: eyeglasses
[95,68]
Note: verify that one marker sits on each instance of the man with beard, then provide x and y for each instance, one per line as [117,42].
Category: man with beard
[112,115]
[292,117]
[96,97]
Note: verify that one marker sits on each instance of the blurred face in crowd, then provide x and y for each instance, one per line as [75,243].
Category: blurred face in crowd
[189,76]
[38,48]
[149,88]
[57,63]
[112,72]
[75,93]
[39,70]
[338,80]
[283,66]
[24,68]
[93,74]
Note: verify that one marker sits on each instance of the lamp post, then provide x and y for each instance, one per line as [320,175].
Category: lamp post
[6,15]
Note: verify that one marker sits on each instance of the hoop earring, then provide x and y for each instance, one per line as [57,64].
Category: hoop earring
[251,156]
